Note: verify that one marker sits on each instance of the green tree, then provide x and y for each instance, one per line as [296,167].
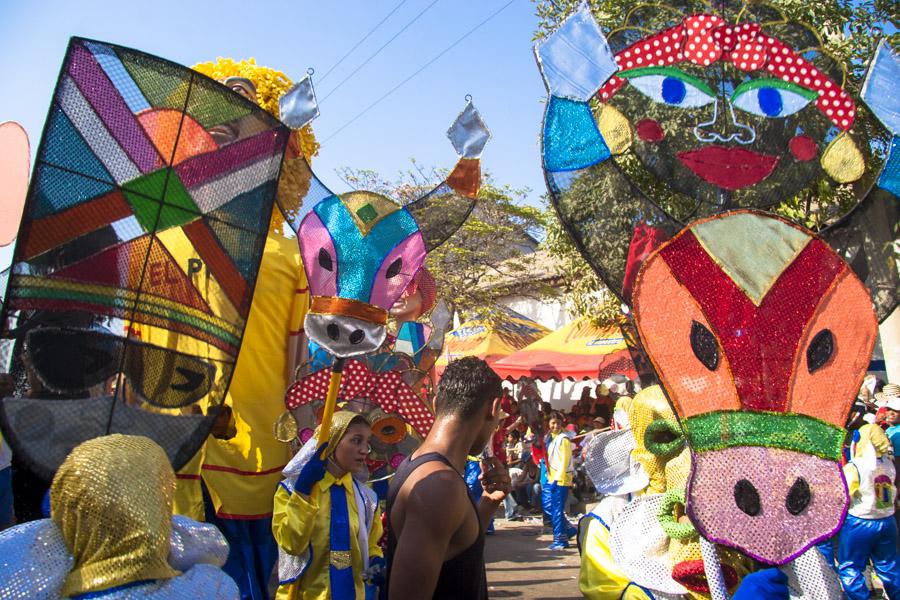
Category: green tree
[471,268]
[850,32]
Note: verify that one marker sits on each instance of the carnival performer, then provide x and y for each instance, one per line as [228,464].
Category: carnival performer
[242,473]
[324,516]
[557,472]
[870,532]
[110,533]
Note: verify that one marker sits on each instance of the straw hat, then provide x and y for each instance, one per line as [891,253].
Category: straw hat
[889,397]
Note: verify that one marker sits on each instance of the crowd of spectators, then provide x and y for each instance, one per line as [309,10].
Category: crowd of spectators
[591,413]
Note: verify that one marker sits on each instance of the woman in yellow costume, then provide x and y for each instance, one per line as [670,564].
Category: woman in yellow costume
[325,521]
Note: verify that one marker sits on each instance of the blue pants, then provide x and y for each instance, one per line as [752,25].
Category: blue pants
[862,539]
[6,498]
[252,553]
[553,501]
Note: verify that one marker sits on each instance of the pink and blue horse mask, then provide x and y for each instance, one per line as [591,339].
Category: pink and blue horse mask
[361,250]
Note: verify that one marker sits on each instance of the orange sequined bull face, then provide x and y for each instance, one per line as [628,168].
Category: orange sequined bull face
[761,335]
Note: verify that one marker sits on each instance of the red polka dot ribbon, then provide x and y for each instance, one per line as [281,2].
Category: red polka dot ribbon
[387,390]
[705,39]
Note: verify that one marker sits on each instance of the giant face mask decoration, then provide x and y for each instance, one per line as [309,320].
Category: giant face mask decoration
[675,118]
[758,329]
[361,250]
[761,352]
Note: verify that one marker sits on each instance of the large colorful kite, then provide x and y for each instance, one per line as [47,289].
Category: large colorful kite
[149,204]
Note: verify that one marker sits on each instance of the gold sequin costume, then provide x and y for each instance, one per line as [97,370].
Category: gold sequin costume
[110,530]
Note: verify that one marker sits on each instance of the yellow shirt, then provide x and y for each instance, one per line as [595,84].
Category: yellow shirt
[559,457]
[243,472]
[188,500]
[299,523]
[600,577]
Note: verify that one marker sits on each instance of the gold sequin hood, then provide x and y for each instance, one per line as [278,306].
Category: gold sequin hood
[112,501]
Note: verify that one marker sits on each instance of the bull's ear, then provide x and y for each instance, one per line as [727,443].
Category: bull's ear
[439,213]
[866,238]
[443,210]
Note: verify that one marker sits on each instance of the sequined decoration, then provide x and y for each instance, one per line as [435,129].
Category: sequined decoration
[747,344]
[193,543]
[571,137]
[298,106]
[890,177]
[576,60]
[881,86]
[122,484]
[34,561]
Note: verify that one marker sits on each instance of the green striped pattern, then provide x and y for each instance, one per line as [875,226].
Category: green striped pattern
[120,299]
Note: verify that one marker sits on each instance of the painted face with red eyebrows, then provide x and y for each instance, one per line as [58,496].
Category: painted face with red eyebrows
[726,113]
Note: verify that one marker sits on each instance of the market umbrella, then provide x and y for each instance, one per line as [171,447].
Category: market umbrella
[578,351]
[490,340]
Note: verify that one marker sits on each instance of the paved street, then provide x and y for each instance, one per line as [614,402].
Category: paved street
[520,566]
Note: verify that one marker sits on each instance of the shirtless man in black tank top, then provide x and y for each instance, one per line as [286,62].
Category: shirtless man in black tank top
[435,532]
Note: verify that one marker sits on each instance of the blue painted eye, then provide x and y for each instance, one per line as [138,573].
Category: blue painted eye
[673,90]
[670,86]
[771,97]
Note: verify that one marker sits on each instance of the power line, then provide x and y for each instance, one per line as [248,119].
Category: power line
[377,52]
[364,38]
[422,68]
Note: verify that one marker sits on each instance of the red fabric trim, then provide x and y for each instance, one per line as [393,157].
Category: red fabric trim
[217,260]
[644,241]
[223,515]
[187,476]
[557,366]
[759,342]
[239,472]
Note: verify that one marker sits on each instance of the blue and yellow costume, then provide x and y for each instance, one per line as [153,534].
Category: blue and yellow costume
[557,473]
[335,528]
[870,530]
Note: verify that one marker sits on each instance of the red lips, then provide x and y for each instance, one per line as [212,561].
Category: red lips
[691,575]
[729,168]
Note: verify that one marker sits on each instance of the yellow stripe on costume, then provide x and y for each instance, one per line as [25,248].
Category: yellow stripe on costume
[600,577]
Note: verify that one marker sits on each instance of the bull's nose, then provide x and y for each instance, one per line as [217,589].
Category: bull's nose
[357,336]
[334,332]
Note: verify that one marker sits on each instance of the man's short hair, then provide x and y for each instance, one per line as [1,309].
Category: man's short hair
[558,416]
[467,385]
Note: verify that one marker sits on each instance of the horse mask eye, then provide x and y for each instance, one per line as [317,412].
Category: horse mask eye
[394,269]
[704,345]
[820,350]
[325,260]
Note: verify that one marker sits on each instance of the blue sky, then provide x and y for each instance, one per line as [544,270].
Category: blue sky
[494,64]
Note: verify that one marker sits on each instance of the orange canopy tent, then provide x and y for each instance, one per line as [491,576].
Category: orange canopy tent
[490,341]
[577,351]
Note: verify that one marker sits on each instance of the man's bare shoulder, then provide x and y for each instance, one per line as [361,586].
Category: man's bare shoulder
[432,486]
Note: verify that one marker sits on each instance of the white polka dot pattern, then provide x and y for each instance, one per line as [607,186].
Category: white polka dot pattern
[387,390]
[704,39]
